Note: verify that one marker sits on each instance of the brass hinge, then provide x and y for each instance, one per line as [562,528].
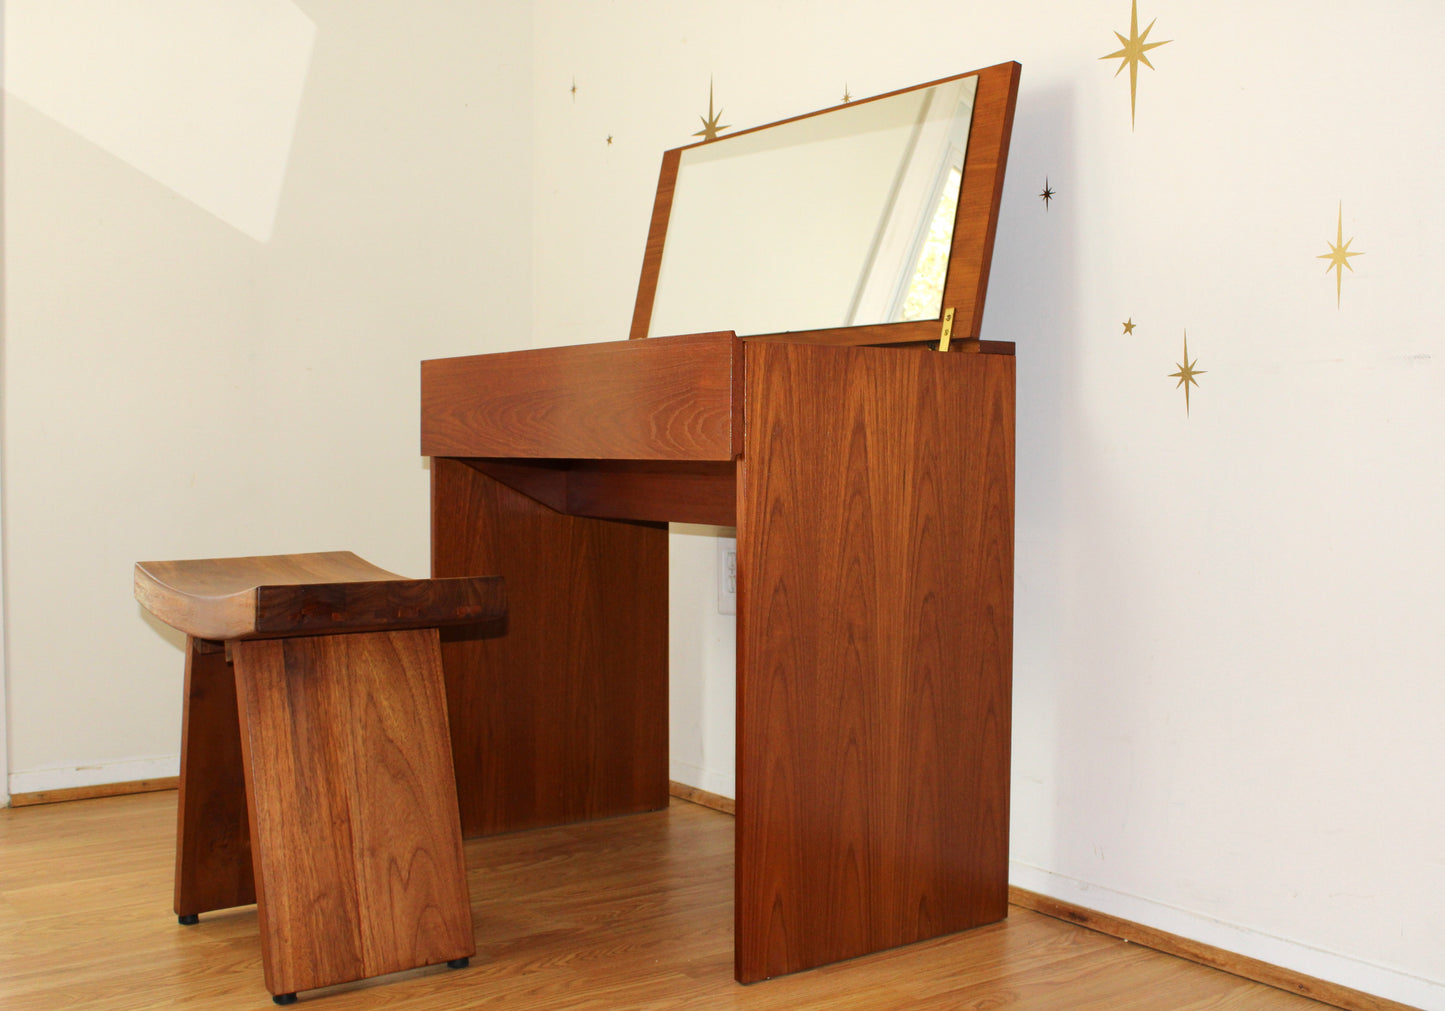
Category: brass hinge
[947,329]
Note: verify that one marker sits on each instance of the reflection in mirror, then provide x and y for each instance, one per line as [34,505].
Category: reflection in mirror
[840,219]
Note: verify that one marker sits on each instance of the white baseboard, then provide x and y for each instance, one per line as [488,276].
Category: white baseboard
[1302,958]
[722,784]
[71,776]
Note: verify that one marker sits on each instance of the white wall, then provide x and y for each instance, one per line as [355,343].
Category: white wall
[1228,631]
[4,717]
[216,353]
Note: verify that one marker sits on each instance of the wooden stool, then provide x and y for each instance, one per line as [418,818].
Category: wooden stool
[316,765]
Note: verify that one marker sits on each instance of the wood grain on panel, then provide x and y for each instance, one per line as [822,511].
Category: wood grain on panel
[565,717]
[215,598]
[543,480]
[318,608]
[671,398]
[685,492]
[213,839]
[703,491]
[306,594]
[978,200]
[656,234]
[874,641]
[357,848]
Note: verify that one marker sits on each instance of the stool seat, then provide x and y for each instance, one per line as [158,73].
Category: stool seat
[316,765]
[321,593]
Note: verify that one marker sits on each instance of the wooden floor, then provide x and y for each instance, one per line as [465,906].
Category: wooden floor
[631,913]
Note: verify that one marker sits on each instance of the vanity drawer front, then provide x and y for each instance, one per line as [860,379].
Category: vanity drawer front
[666,398]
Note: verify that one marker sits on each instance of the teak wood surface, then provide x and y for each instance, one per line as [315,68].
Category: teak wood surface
[306,594]
[872,490]
[316,768]
[565,717]
[671,399]
[354,833]
[974,225]
[873,499]
[875,547]
[702,491]
[213,836]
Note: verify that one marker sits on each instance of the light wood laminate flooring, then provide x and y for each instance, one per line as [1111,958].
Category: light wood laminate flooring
[629,913]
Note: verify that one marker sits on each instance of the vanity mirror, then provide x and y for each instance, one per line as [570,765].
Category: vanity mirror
[855,225]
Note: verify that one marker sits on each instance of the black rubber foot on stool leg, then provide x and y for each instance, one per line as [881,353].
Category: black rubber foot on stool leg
[285,998]
[189,920]
[459,963]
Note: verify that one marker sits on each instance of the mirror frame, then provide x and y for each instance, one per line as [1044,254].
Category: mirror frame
[966,283]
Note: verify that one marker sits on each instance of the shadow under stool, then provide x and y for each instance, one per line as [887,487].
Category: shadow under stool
[316,765]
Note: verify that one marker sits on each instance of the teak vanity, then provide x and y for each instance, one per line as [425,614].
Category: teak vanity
[870,479]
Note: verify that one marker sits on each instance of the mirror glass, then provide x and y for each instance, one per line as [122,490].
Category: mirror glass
[840,219]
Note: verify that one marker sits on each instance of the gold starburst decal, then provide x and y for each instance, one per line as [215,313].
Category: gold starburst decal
[1047,194]
[846,96]
[1129,325]
[710,125]
[1186,373]
[1339,254]
[1133,52]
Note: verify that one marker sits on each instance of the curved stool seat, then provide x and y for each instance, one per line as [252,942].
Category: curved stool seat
[310,594]
[316,766]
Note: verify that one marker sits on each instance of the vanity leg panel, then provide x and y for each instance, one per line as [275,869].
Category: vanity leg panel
[563,718]
[874,644]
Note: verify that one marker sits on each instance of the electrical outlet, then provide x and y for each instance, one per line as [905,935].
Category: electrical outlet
[727,575]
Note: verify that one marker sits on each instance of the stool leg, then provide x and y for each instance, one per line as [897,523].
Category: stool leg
[213,841]
[355,833]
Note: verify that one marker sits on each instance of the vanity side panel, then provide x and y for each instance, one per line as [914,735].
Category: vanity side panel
[875,547]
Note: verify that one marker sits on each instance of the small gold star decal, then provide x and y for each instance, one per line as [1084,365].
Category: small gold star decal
[846,96]
[1339,254]
[609,140]
[1133,53]
[1047,194]
[1129,325]
[710,126]
[1186,373]
[574,89]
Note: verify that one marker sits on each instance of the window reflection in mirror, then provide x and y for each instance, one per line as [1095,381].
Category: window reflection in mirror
[840,219]
[924,296]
